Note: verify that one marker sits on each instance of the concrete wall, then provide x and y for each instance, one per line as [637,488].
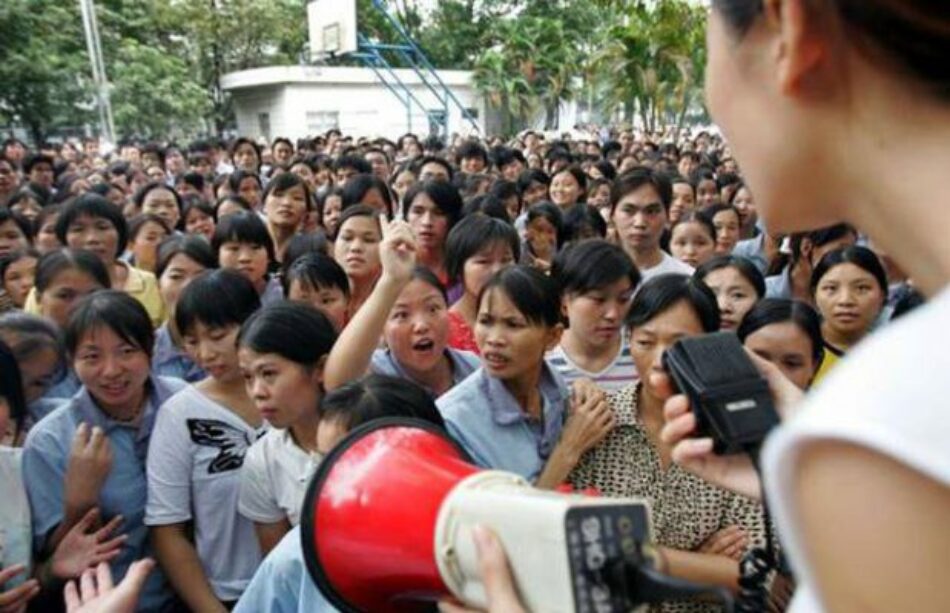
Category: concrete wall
[301,101]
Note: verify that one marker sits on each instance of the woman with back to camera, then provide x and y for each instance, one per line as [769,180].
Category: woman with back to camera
[857,97]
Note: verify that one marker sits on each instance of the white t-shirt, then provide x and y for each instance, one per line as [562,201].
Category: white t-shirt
[194,460]
[274,479]
[617,375]
[668,264]
[16,537]
[890,395]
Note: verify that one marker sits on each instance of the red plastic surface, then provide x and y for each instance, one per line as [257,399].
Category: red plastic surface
[376,517]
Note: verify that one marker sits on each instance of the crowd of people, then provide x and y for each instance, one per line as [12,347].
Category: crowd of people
[187,329]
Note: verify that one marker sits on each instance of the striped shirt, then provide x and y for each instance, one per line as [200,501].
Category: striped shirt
[620,373]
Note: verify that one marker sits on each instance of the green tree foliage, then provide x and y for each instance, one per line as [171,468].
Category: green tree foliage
[654,58]
[42,64]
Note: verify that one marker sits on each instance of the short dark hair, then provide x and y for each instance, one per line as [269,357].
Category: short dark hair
[284,181]
[11,385]
[471,149]
[592,265]
[55,262]
[578,174]
[216,298]
[638,177]
[355,162]
[862,257]
[742,265]
[195,248]
[443,194]
[532,175]
[137,223]
[316,270]
[359,210]
[244,227]
[32,159]
[432,159]
[115,310]
[377,396]
[534,294]
[552,213]
[471,235]
[24,225]
[139,198]
[779,310]
[295,331]
[359,185]
[662,292]
[236,177]
[302,244]
[95,206]
[582,216]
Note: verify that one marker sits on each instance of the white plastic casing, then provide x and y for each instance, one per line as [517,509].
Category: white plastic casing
[531,525]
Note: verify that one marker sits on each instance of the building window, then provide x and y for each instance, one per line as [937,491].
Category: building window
[472,112]
[263,125]
[321,121]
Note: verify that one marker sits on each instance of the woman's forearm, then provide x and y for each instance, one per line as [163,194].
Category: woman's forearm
[180,563]
[709,569]
[354,348]
[558,467]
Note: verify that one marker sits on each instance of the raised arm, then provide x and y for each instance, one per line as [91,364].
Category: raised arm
[353,350]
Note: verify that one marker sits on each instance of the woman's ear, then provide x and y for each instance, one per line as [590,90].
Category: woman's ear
[554,336]
[801,48]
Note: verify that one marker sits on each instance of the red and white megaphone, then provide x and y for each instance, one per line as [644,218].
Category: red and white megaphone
[387,526]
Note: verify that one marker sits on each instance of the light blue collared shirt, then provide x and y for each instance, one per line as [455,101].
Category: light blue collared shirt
[482,415]
[282,583]
[753,249]
[45,460]
[463,364]
[170,361]
[780,285]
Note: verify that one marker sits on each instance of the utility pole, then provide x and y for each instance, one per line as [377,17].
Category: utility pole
[94,46]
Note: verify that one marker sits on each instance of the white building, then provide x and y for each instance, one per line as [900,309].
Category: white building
[300,101]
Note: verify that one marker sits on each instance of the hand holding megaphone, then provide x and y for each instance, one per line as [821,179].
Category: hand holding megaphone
[496,576]
[394,521]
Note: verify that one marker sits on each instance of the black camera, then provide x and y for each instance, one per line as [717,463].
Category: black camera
[731,400]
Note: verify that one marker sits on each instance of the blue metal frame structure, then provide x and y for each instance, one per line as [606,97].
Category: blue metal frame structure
[372,55]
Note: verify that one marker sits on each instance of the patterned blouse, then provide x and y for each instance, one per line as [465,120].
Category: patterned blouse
[685,509]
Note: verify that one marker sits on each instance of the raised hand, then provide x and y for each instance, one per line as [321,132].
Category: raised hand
[15,600]
[397,252]
[96,593]
[84,547]
[90,461]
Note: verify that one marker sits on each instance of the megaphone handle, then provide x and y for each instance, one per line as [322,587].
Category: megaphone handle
[652,586]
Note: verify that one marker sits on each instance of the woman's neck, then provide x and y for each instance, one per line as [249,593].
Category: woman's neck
[431,259]
[130,412]
[800,279]
[281,236]
[907,156]
[590,357]
[304,432]
[360,289]
[525,390]
[438,379]
[467,308]
[645,259]
[836,339]
[118,274]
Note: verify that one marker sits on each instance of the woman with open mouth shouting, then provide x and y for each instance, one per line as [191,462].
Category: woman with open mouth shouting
[409,309]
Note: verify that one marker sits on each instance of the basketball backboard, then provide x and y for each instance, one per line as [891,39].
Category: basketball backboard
[332,25]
